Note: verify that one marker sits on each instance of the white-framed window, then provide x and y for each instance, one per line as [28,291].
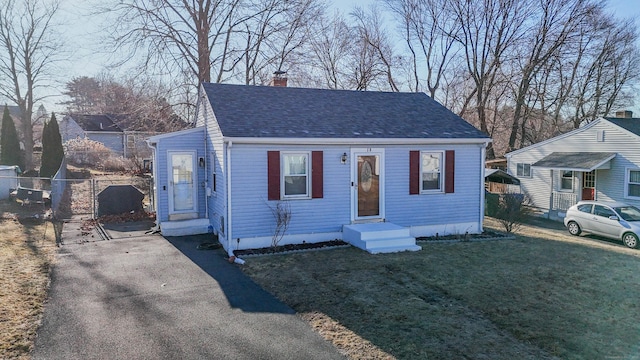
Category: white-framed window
[632,188]
[295,180]
[431,171]
[131,141]
[523,170]
[566,180]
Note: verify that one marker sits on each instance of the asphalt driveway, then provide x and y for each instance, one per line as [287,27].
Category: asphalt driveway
[149,297]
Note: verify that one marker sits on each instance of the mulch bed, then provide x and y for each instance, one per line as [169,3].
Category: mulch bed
[290,248]
[486,235]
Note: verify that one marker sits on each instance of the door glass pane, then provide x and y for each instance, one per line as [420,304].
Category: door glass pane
[368,185]
[182,178]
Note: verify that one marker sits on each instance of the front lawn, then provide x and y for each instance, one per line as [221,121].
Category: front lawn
[543,295]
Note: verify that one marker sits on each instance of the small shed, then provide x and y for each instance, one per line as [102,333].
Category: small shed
[119,199]
[500,182]
[8,180]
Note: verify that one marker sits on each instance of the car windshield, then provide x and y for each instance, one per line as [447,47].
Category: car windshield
[629,213]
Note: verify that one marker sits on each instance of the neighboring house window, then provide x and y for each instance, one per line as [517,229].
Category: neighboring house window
[294,175]
[131,141]
[431,172]
[431,165]
[633,183]
[523,170]
[566,182]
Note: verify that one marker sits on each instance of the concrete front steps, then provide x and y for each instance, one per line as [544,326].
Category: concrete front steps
[382,237]
[184,227]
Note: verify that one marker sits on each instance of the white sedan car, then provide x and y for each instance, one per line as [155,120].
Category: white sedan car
[614,220]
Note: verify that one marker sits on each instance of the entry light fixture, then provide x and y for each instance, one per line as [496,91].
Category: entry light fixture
[343,158]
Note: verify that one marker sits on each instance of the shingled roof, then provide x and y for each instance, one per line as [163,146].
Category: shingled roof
[286,112]
[96,123]
[630,124]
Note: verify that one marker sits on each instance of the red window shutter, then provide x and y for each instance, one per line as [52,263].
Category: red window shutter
[317,174]
[273,176]
[449,171]
[414,172]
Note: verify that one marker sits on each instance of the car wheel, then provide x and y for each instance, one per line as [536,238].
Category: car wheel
[630,240]
[574,228]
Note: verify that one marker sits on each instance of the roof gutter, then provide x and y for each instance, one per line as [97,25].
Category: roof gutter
[353,141]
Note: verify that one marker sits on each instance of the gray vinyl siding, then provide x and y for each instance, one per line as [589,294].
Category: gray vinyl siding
[252,216]
[191,141]
[461,206]
[139,150]
[610,183]
[217,203]
[113,141]
[69,129]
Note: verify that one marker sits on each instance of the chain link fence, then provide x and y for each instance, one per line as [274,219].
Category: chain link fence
[65,197]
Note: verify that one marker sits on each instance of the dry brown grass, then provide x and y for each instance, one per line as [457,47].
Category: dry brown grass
[27,247]
[543,295]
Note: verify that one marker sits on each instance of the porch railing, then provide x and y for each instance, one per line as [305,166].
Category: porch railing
[563,201]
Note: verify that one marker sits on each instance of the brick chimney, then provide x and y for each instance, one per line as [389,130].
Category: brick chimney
[279,79]
[626,114]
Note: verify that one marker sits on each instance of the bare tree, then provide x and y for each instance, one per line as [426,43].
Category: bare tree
[29,48]
[375,54]
[553,23]
[330,46]
[488,32]
[214,40]
[611,63]
[428,31]
[138,103]
[273,34]
[179,35]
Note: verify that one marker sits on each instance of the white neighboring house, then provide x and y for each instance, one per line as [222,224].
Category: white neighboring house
[598,161]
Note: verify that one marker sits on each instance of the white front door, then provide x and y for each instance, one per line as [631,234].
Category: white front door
[182,182]
[367,178]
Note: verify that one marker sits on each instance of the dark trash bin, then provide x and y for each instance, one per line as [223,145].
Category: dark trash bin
[118,199]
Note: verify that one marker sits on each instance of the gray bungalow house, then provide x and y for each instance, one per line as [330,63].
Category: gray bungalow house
[598,161]
[111,130]
[101,128]
[375,169]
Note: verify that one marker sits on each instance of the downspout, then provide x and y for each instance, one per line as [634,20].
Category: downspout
[550,194]
[207,192]
[229,223]
[595,185]
[483,155]
[155,179]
